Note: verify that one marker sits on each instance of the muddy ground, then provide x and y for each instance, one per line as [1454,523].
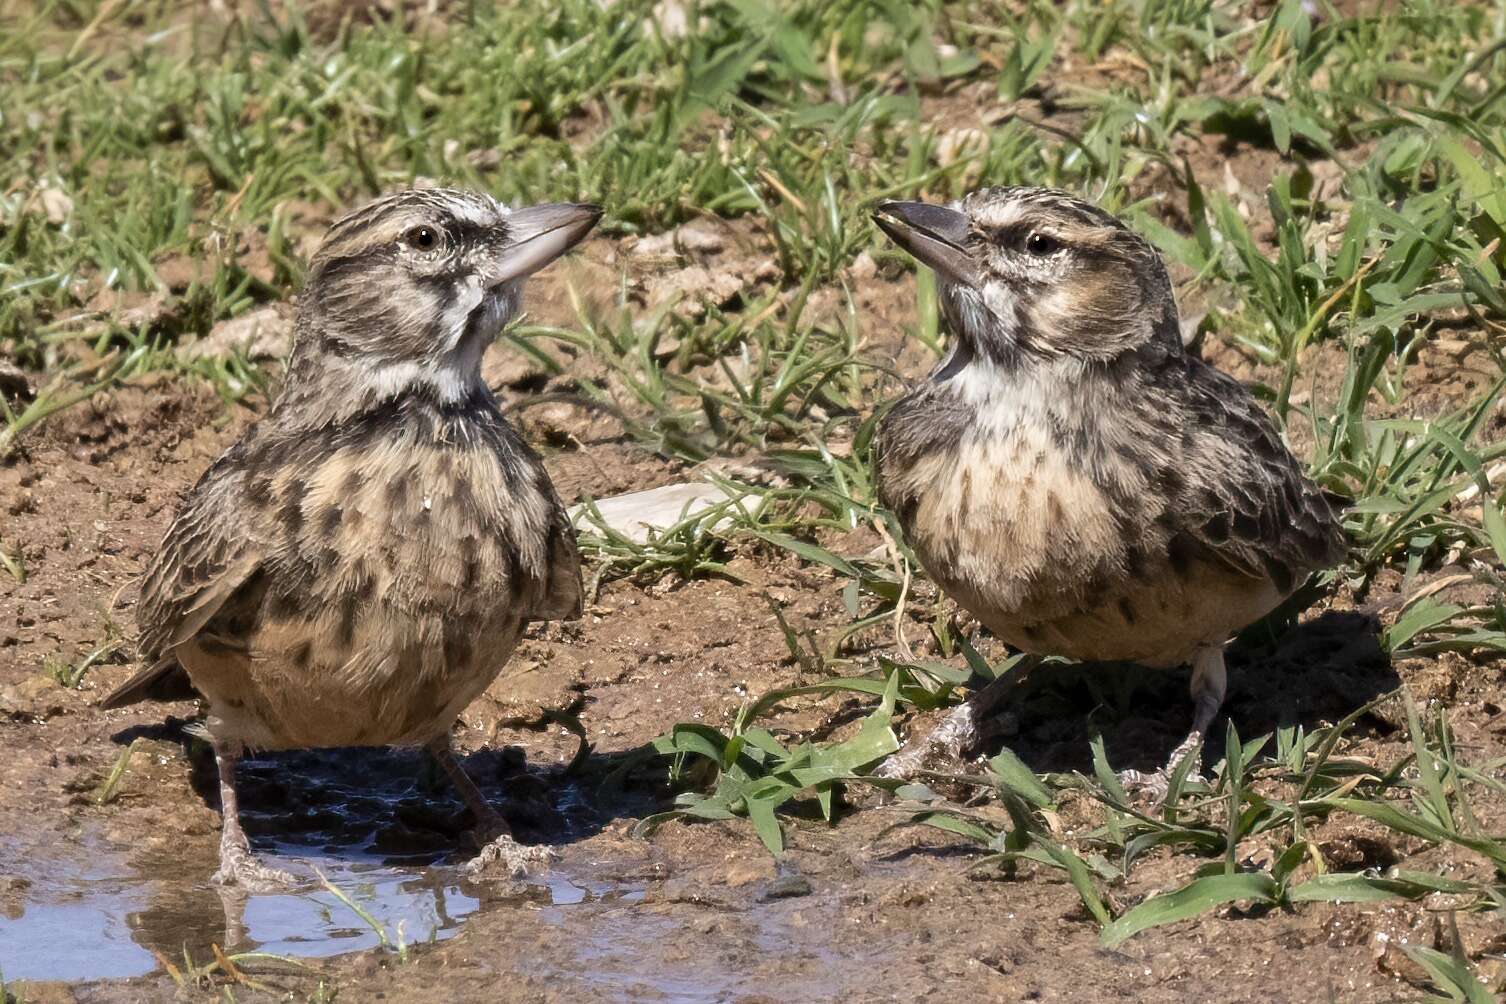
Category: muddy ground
[691,912]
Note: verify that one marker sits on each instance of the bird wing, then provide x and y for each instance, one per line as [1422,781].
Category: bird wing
[562,599]
[1245,498]
[212,550]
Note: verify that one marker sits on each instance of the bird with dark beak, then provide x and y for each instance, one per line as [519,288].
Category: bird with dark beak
[360,564]
[1068,474]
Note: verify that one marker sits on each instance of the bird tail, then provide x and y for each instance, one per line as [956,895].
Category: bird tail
[163,680]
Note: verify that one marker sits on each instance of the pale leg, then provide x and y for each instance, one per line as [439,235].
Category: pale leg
[1209,683]
[964,727]
[238,866]
[492,828]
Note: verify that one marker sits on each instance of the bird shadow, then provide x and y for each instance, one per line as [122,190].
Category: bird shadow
[395,805]
[384,825]
[1314,674]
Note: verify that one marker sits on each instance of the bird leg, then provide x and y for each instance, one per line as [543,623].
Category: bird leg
[1209,683]
[233,900]
[964,727]
[238,866]
[491,828]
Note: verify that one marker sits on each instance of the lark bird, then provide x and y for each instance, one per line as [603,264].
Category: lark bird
[1068,474]
[359,565]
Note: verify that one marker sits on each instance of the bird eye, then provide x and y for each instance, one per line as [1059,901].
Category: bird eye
[422,238]
[1040,244]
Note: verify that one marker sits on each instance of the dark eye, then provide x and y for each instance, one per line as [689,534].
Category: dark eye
[1039,244]
[422,238]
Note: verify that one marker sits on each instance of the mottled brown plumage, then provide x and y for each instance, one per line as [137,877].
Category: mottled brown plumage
[1069,474]
[359,565]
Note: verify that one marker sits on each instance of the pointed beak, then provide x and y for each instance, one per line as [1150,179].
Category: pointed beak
[935,235]
[539,234]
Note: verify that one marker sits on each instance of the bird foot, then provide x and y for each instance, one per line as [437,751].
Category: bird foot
[1151,786]
[1156,785]
[515,857]
[240,868]
[947,743]
[963,730]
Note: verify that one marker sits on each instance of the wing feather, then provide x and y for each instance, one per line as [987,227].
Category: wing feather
[562,599]
[1245,498]
[213,549]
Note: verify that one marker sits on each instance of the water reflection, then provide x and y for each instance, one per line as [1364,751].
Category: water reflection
[78,928]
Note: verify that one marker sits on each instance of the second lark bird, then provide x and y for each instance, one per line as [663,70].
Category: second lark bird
[360,564]
[1070,475]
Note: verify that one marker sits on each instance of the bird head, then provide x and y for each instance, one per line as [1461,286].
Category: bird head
[415,286]
[1033,273]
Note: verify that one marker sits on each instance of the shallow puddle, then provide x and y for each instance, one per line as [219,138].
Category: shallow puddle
[387,838]
[363,820]
[109,924]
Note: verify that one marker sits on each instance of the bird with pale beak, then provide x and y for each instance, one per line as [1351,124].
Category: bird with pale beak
[1069,474]
[359,565]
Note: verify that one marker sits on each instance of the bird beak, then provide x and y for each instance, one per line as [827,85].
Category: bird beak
[539,234]
[934,234]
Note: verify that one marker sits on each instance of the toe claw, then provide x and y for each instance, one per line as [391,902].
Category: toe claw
[948,744]
[254,877]
[904,765]
[1153,786]
[515,856]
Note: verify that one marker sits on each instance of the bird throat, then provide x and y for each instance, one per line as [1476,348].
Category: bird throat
[992,325]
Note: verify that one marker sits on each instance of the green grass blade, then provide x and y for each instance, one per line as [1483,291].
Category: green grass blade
[1192,899]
